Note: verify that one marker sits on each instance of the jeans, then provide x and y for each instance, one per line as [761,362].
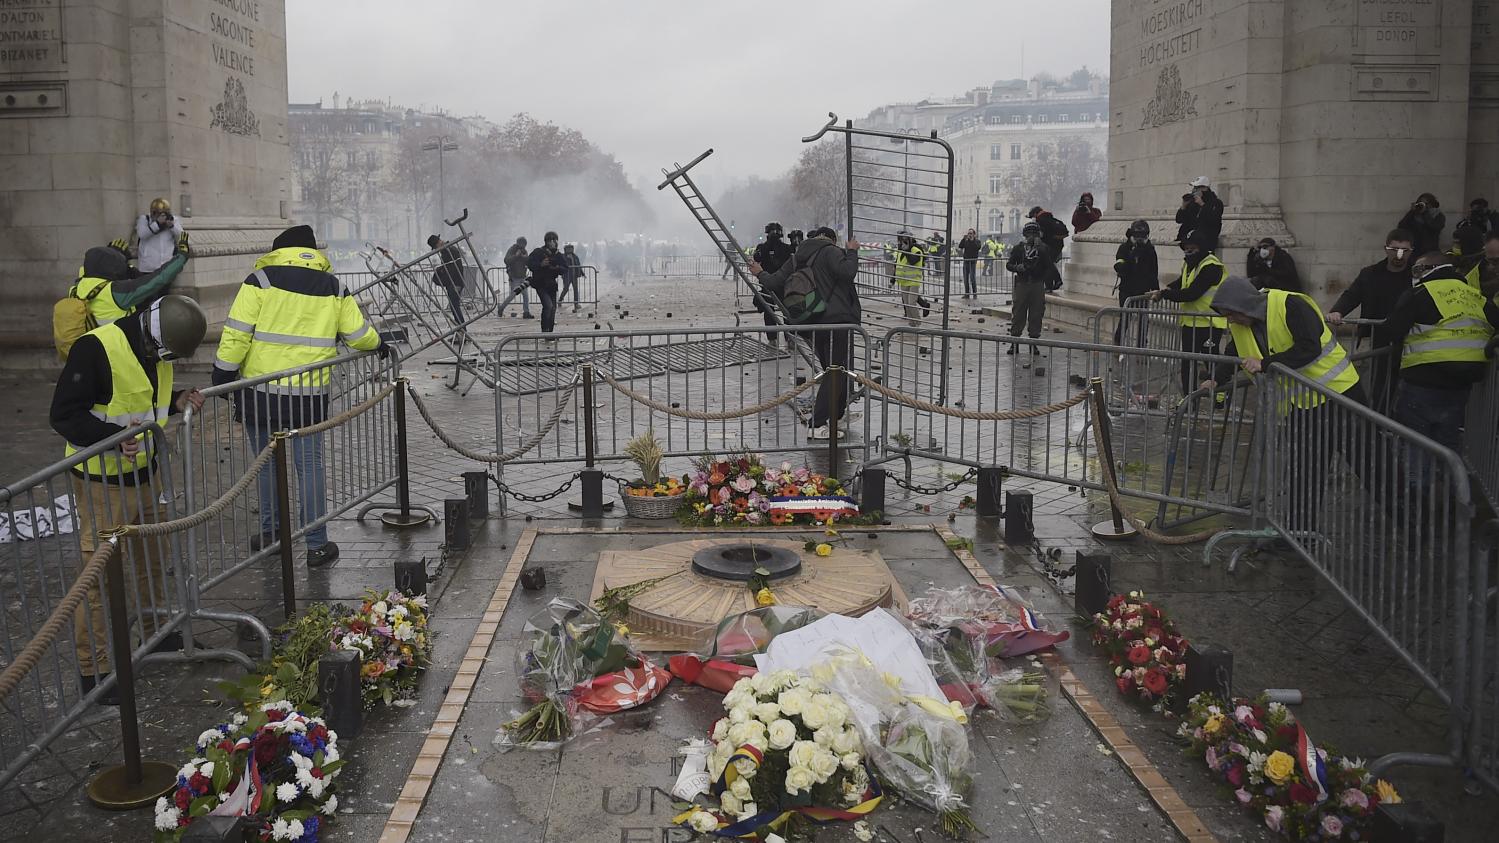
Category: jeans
[1198,339]
[1028,308]
[569,284]
[455,303]
[970,283]
[523,291]
[1435,413]
[547,293]
[834,348]
[306,459]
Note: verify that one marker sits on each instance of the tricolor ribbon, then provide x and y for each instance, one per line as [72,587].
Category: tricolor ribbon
[757,826]
[1311,763]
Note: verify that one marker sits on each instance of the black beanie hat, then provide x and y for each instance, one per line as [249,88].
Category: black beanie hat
[296,236]
[433,241]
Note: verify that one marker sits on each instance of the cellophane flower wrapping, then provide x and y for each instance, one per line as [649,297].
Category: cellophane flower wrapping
[726,653]
[573,665]
[920,753]
[997,615]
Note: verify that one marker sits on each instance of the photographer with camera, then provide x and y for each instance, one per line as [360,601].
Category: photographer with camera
[1053,231]
[1425,222]
[1034,268]
[156,233]
[1201,213]
[969,247]
[1084,215]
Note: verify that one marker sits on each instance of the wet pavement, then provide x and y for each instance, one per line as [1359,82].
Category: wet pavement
[1285,626]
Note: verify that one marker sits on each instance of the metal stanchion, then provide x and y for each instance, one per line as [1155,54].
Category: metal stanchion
[592,478]
[283,530]
[990,482]
[404,518]
[135,782]
[834,374]
[1116,529]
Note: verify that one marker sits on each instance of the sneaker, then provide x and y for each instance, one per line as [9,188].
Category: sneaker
[87,683]
[527,316]
[1035,350]
[1012,350]
[262,541]
[317,557]
[822,432]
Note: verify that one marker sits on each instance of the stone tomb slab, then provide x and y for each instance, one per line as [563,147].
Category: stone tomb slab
[610,784]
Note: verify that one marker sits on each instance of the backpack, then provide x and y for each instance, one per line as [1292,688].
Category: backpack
[803,299]
[72,318]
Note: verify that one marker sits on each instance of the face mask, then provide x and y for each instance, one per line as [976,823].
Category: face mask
[1138,239]
[1264,254]
[552,244]
[1192,257]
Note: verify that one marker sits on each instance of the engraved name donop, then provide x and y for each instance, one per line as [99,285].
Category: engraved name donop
[1397,24]
[1165,31]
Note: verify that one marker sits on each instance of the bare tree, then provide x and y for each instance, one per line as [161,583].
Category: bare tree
[819,183]
[1054,175]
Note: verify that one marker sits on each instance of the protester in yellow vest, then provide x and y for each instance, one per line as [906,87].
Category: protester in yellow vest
[112,289]
[291,312]
[1272,327]
[910,263]
[1444,327]
[1201,328]
[993,251]
[116,377]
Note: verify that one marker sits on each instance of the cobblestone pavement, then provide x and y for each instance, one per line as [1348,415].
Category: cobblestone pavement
[1285,626]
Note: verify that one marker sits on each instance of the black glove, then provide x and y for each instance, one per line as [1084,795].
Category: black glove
[223,376]
[383,351]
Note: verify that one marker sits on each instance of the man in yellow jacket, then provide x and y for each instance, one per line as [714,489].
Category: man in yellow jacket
[290,313]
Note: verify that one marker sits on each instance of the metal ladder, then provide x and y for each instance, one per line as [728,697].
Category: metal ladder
[712,223]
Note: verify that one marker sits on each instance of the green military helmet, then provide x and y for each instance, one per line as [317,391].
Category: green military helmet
[177,324]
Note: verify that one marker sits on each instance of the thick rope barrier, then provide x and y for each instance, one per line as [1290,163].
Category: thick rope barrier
[563,401]
[973,415]
[698,415]
[88,578]
[1118,503]
[31,654]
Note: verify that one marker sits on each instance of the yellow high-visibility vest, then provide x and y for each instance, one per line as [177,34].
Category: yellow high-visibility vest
[1332,367]
[131,402]
[1462,334]
[908,268]
[102,306]
[1200,313]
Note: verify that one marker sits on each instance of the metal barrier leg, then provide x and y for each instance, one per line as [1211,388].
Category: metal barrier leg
[283,519]
[405,517]
[1117,528]
[135,782]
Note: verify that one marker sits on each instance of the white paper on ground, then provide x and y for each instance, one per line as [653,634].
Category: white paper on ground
[38,522]
[693,779]
[878,635]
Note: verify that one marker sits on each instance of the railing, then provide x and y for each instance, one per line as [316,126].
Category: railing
[686,266]
[1481,434]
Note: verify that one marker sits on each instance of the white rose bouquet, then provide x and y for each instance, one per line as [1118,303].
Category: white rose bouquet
[785,752]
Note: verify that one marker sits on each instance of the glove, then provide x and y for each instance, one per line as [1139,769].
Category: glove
[383,350]
[121,245]
[223,376]
[182,248]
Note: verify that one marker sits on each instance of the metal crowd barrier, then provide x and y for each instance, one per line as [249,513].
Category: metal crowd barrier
[709,371]
[1481,434]
[687,266]
[585,292]
[1383,514]
[52,515]
[1483,733]
[1189,457]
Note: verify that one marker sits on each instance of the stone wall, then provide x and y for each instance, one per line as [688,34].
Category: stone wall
[104,106]
[1317,123]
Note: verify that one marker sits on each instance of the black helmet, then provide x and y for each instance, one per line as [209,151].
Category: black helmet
[549,236]
[1029,227]
[796,235]
[1139,228]
[773,229]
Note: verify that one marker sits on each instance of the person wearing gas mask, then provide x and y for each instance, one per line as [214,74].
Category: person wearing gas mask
[1373,294]
[1425,222]
[771,254]
[1269,267]
[1207,220]
[118,376]
[1138,274]
[515,270]
[795,238]
[1034,269]
[1479,218]
[157,233]
[1054,232]
[1201,327]
[546,265]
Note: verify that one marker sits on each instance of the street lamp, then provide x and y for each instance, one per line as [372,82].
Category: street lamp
[977,201]
[441,143]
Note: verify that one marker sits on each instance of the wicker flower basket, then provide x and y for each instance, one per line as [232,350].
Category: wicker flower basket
[658,506]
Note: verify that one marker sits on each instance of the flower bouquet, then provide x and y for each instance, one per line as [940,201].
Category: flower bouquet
[275,765]
[575,661]
[728,654]
[742,490]
[918,746]
[389,632]
[785,752]
[1146,650]
[1265,757]
[651,496]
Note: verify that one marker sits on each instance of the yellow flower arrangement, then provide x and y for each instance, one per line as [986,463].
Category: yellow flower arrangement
[1279,767]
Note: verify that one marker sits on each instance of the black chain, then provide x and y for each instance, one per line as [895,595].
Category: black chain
[620,480]
[927,490]
[506,490]
[1048,561]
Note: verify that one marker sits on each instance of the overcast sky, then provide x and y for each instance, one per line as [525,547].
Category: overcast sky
[657,81]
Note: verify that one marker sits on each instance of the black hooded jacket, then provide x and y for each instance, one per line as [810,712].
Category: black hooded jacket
[835,269]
